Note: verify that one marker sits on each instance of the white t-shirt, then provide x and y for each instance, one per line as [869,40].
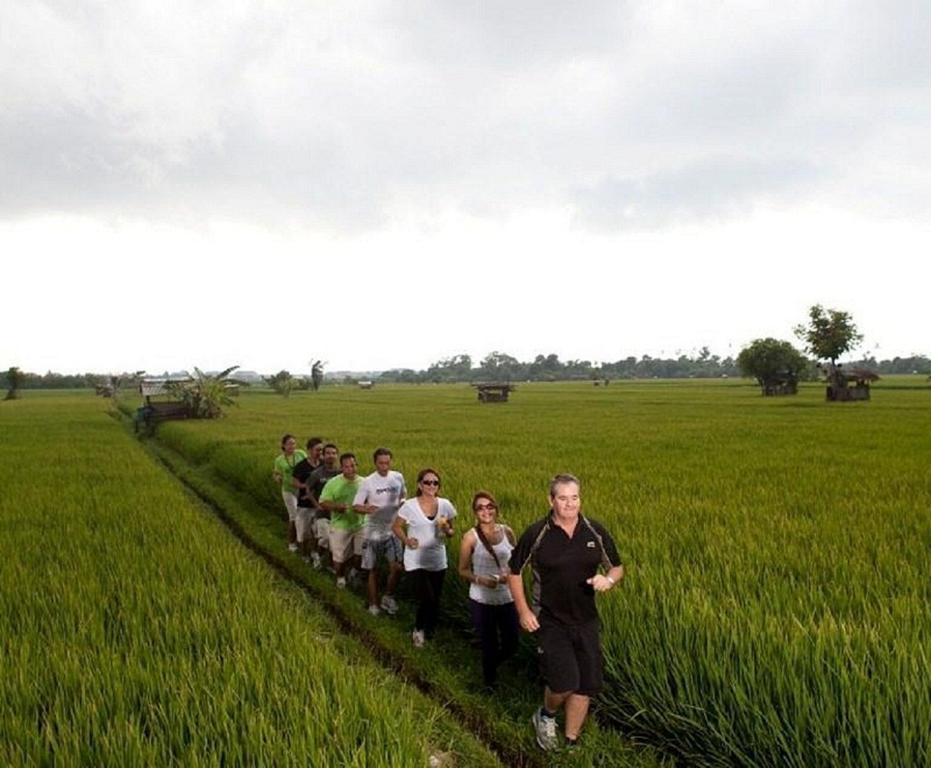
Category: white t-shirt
[431,551]
[385,493]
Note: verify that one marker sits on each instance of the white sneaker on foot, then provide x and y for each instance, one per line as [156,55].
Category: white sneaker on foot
[545,728]
[374,610]
[341,583]
[389,605]
[316,560]
[417,636]
[292,547]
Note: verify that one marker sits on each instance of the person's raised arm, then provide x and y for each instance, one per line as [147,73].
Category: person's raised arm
[604,582]
[360,502]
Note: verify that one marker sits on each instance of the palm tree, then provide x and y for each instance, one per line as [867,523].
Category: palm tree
[316,373]
[206,395]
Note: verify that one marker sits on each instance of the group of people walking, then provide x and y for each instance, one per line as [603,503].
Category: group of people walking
[364,522]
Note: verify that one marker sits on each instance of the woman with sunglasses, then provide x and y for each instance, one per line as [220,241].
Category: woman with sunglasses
[483,560]
[423,524]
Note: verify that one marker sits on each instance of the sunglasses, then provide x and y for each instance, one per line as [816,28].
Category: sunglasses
[483,507]
[429,482]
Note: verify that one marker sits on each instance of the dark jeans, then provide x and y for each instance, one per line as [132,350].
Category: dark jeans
[428,586]
[497,628]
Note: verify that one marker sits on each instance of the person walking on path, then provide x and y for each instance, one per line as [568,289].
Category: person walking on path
[306,504]
[328,469]
[282,473]
[379,498]
[423,525]
[483,558]
[345,525]
[565,550]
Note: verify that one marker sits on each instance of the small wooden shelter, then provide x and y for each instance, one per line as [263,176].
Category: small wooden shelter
[159,403]
[845,386]
[494,393]
[781,383]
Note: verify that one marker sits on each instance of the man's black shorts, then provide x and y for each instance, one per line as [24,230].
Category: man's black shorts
[570,657]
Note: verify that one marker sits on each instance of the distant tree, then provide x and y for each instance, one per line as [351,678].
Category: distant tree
[769,359]
[206,395]
[829,333]
[316,373]
[498,366]
[282,382]
[14,380]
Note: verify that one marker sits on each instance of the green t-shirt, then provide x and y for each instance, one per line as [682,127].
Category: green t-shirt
[342,491]
[285,466]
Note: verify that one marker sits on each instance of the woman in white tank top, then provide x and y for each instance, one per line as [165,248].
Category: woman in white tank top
[483,562]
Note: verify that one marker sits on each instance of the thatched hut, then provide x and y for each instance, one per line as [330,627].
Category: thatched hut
[494,393]
[846,386]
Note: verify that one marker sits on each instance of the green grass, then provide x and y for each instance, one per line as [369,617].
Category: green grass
[776,609]
[134,630]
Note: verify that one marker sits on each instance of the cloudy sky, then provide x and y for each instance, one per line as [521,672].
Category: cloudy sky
[383,184]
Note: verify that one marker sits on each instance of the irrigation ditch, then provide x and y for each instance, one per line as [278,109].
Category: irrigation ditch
[500,722]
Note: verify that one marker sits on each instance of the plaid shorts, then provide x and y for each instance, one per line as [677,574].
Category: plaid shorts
[388,549]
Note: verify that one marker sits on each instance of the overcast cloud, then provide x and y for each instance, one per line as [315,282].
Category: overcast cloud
[631,115]
[344,120]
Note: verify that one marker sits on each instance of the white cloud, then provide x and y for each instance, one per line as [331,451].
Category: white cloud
[663,159]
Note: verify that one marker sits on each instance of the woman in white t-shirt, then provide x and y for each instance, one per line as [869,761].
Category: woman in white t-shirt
[423,525]
[483,562]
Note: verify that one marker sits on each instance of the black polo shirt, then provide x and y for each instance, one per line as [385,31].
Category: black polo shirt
[561,567]
[302,472]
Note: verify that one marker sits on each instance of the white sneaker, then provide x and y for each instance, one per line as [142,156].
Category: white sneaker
[292,547]
[341,583]
[545,728]
[389,605]
[374,610]
[316,560]
[419,639]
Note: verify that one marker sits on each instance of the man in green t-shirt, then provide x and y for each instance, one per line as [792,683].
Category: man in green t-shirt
[346,534]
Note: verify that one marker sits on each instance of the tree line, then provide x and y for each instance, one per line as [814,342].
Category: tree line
[459,368]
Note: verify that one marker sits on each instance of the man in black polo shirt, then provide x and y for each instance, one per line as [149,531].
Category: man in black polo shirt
[565,551]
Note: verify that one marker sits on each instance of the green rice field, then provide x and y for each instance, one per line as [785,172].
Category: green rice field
[776,609]
[134,630]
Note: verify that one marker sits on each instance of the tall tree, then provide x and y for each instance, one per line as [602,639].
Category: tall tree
[767,360]
[829,333]
[14,379]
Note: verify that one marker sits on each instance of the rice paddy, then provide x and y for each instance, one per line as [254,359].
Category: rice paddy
[775,610]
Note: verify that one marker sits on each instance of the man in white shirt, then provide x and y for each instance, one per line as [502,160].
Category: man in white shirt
[381,494]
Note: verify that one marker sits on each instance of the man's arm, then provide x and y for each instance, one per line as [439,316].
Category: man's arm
[360,502]
[527,618]
[604,582]
[327,500]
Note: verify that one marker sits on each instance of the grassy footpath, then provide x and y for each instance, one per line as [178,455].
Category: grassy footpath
[134,630]
[448,666]
[777,609]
